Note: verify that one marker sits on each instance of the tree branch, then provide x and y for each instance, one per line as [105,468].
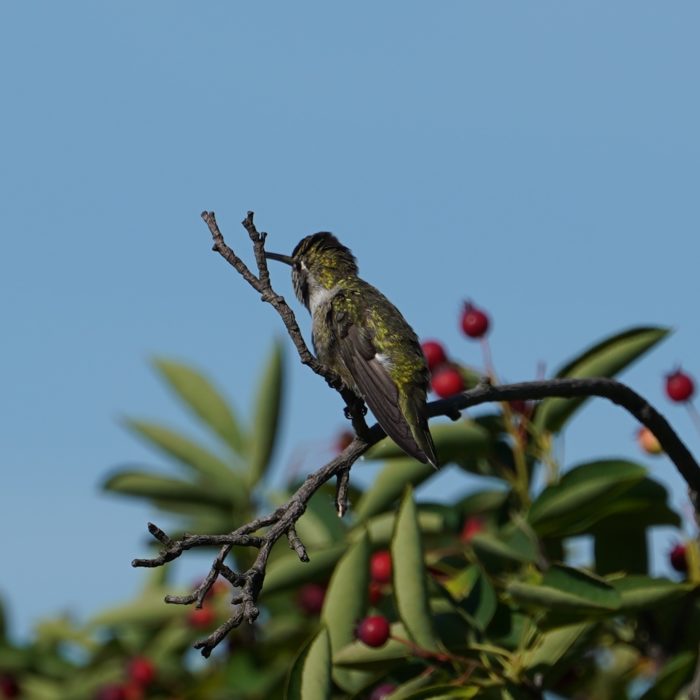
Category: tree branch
[262,285]
[263,532]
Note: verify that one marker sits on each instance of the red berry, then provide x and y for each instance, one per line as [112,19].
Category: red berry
[447,382]
[678,558]
[141,670]
[472,526]
[382,691]
[380,566]
[475,323]
[310,598]
[9,688]
[373,631]
[679,386]
[519,406]
[375,592]
[201,618]
[435,354]
[343,440]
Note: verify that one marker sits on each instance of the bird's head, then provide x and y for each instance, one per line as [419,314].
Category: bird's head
[319,260]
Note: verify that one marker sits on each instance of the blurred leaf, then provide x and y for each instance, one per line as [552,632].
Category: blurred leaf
[552,646]
[409,575]
[624,551]
[169,641]
[460,441]
[381,528]
[507,548]
[3,624]
[288,572]
[475,594]
[58,630]
[37,688]
[564,588]
[408,688]
[204,400]
[675,674]
[390,483]
[344,606]
[320,525]
[249,679]
[508,627]
[482,502]
[266,414]
[310,676]
[605,359]
[643,505]
[583,496]
[641,592]
[149,609]
[164,489]
[450,692]
[203,462]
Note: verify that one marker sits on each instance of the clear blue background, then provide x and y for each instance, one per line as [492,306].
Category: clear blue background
[540,158]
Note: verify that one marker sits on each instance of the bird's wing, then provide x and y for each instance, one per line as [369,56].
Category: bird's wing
[371,374]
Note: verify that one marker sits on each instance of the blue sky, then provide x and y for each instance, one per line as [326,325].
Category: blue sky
[540,158]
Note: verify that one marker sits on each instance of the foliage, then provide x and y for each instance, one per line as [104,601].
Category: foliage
[485,599]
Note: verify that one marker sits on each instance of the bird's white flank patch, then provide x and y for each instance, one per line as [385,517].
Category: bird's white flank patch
[319,295]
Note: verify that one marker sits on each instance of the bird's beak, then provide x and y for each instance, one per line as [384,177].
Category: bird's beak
[278,256]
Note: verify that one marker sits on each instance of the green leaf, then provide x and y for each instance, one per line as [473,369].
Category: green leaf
[605,359]
[450,692]
[170,641]
[201,397]
[390,484]
[645,592]
[381,528]
[344,606]
[266,414]
[495,552]
[583,496]
[454,442]
[409,575]
[3,624]
[310,676]
[164,489]
[288,572]
[566,589]
[482,502]
[552,646]
[407,689]
[149,609]
[475,594]
[675,674]
[188,452]
[621,552]
[320,525]
[508,627]
[643,505]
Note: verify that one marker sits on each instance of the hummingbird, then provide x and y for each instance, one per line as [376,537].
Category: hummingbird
[358,333]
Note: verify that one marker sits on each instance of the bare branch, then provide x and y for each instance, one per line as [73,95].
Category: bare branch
[611,389]
[263,532]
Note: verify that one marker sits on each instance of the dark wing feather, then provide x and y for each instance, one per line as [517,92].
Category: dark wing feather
[376,387]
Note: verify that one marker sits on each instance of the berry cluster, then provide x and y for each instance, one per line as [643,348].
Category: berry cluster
[446,377]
